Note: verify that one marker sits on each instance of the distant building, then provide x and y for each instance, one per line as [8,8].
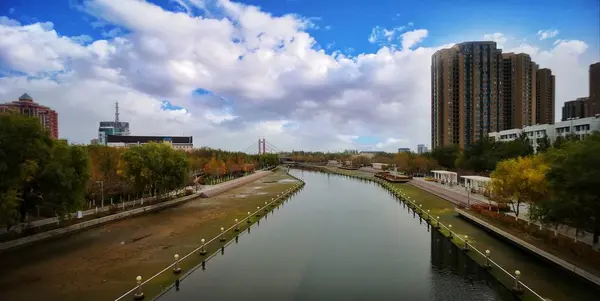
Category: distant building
[404,150]
[580,127]
[26,106]
[94,141]
[577,108]
[370,154]
[421,149]
[177,142]
[594,105]
[350,151]
[116,127]
[380,166]
[585,106]
[545,97]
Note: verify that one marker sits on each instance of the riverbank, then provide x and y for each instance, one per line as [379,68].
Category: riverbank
[554,282]
[94,217]
[102,263]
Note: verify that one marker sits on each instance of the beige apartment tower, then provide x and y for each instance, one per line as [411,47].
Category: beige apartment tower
[545,97]
[466,93]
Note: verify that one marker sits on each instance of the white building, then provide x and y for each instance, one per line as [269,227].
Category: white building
[184,143]
[421,149]
[580,127]
[379,165]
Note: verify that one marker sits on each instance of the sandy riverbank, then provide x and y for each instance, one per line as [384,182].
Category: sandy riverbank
[101,263]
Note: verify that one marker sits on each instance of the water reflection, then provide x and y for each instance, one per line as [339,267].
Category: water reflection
[339,239]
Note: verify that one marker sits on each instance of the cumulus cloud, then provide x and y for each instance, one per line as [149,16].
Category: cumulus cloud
[412,38]
[236,73]
[497,37]
[547,34]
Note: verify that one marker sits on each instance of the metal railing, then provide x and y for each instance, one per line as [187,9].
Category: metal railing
[518,285]
[489,263]
[137,289]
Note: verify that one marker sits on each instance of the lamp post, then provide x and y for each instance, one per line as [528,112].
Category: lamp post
[101,191]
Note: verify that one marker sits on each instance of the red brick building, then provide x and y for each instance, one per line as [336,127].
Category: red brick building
[26,106]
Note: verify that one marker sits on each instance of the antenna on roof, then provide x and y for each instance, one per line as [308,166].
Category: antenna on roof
[117,111]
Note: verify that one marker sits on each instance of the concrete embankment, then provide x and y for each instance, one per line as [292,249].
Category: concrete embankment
[529,247]
[102,262]
[206,192]
[212,191]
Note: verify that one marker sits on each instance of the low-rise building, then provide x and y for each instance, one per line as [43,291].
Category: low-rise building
[577,126]
[177,142]
[370,154]
[404,150]
[380,166]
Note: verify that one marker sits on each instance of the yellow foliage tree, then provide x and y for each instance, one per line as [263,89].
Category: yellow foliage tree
[519,181]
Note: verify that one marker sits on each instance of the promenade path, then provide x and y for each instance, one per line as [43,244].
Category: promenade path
[205,189]
[458,195]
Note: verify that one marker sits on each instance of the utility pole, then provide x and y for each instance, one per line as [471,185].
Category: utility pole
[102,192]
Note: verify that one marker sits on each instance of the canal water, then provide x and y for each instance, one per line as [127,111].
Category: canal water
[339,239]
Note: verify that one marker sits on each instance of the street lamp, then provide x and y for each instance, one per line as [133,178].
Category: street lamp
[101,191]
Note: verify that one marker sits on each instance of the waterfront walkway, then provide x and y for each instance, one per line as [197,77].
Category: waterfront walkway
[459,196]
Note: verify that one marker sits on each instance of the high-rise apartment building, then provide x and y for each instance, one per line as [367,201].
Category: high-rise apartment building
[545,97]
[575,108]
[519,91]
[594,102]
[26,106]
[585,106]
[466,93]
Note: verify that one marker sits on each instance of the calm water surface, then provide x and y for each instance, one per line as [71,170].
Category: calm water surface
[339,239]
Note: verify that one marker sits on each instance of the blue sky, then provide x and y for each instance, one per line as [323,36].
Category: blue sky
[379,99]
[349,22]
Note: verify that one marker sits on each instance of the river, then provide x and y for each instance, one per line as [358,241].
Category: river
[339,239]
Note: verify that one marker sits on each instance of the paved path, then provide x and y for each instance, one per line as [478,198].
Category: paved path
[130,204]
[458,196]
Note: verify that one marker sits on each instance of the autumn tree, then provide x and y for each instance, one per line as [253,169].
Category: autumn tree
[519,181]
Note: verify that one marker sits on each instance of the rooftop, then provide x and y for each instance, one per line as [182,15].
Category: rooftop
[477,178]
[25,96]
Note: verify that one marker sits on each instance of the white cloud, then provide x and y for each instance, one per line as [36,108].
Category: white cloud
[497,37]
[383,36]
[266,74]
[547,34]
[412,38]
[393,143]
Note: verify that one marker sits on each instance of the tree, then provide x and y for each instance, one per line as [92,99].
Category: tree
[574,178]
[543,144]
[156,167]
[519,180]
[24,151]
[445,155]
[63,180]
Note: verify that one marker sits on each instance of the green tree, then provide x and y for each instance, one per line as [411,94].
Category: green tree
[24,151]
[63,181]
[574,178]
[543,144]
[445,155]
[155,167]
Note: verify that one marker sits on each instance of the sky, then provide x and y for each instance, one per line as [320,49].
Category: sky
[304,74]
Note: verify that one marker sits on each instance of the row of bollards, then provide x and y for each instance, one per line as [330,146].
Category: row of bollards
[139,294]
[517,287]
